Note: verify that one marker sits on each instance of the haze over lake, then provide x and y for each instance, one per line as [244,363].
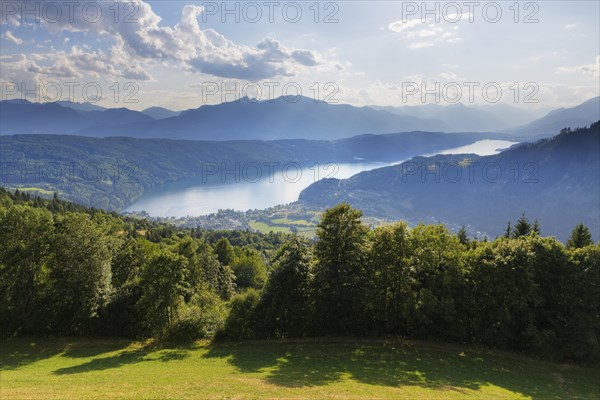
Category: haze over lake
[191,197]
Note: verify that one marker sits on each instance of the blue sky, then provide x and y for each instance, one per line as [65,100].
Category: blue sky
[182,54]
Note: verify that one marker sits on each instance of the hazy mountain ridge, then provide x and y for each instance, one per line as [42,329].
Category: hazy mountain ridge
[281,118]
[583,114]
[160,112]
[53,118]
[272,120]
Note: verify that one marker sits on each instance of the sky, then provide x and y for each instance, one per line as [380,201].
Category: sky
[184,54]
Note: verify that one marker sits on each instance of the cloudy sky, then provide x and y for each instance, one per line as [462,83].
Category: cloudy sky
[181,55]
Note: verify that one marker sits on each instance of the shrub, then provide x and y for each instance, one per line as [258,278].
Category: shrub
[241,320]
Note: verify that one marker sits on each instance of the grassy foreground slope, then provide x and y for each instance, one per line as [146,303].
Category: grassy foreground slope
[336,369]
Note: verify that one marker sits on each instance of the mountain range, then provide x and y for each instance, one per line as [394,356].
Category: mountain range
[583,114]
[282,119]
[554,180]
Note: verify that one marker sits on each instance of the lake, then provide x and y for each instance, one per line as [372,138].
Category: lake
[190,197]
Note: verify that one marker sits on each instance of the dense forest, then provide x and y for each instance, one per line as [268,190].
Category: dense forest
[69,270]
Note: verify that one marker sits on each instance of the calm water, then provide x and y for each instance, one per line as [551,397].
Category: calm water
[483,147]
[245,192]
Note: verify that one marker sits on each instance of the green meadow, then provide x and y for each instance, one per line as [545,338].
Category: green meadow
[306,369]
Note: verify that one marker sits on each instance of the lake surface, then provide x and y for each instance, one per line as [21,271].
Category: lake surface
[483,147]
[242,191]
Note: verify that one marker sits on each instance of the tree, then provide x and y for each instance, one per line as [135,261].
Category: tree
[436,265]
[503,294]
[164,287]
[462,236]
[580,237]
[121,317]
[341,297]
[79,272]
[219,277]
[535,228]
[24,246]
[390,259]
[285,301]
[249,270]
[522,227]
[508,230]
[581,337]
[224,251]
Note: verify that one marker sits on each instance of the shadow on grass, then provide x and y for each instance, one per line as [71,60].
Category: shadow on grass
[144,354]
[297,364]
[18,353]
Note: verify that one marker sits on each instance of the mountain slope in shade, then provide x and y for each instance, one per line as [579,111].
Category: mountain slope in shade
[582,115]
[18,117]
[271,120]
[39,118]
[554,180]
[80,106]
[117,116]
[160,112]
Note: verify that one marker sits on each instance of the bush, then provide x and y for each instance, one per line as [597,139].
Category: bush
[201,319]
[241,320]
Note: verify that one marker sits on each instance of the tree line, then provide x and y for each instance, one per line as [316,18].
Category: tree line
[71,272]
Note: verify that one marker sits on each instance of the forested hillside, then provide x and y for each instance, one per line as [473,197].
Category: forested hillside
[111,173]
[67,270]
[554,180]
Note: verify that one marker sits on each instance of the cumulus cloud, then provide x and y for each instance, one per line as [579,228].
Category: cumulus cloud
[145,40]
[34,64]
[399,26]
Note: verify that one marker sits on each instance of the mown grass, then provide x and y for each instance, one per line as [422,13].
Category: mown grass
[307,231]
[332,369]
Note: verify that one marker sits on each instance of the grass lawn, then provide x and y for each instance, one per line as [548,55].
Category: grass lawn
[266,228]
[307,231]
[333,369]
[296,222]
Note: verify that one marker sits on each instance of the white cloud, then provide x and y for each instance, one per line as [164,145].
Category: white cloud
[12,38]
[570,26]
[188,45]
[399,26]
[420,45]
[592,70]
[34,65]
[416,30]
